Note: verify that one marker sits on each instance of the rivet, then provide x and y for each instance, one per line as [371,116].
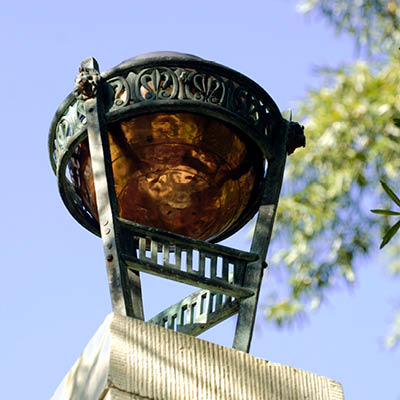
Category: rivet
[109,246]
[109,258]
[108,231]
[105,223]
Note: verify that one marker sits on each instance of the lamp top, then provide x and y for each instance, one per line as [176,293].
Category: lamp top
[162,54]
[147,94]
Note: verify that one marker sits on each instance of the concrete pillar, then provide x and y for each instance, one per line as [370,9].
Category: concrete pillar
[128,359]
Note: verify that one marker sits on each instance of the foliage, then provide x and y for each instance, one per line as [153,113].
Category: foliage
[393,229]
[353,141]
[374,23]
[324,215]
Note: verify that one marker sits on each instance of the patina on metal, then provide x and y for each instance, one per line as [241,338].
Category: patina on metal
[157,155]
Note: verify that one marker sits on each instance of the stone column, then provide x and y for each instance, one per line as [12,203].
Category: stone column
[128,359]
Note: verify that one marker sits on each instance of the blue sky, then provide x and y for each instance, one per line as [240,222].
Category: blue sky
[53,285]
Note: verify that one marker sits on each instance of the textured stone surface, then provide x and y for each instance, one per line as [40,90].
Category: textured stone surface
[128,359]
[115,394]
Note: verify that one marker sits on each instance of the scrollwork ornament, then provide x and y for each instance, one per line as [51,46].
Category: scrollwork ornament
[81,111]
[156,84]
[248,105]
[207,88]
[121,92]
[69,125]
[62,132]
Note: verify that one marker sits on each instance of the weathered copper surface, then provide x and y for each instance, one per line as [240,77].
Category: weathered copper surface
[181,172]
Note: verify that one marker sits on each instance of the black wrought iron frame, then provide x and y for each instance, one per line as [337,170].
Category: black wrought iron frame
[229,279]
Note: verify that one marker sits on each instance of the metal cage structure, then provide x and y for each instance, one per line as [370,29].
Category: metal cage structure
[181,86]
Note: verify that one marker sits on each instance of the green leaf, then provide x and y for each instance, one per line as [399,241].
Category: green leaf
[390,193]
[396,122]
[390,233]
[386,212]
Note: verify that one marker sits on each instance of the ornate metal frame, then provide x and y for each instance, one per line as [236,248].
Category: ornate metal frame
[229,279]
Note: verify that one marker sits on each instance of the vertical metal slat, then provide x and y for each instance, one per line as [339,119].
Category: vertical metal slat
[142,248]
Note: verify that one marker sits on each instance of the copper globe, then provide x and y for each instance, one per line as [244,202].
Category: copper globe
[182,172]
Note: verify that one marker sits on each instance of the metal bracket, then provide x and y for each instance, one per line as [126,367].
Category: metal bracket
[295,137]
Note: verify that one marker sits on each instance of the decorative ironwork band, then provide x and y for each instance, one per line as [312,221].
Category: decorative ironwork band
[160,85]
